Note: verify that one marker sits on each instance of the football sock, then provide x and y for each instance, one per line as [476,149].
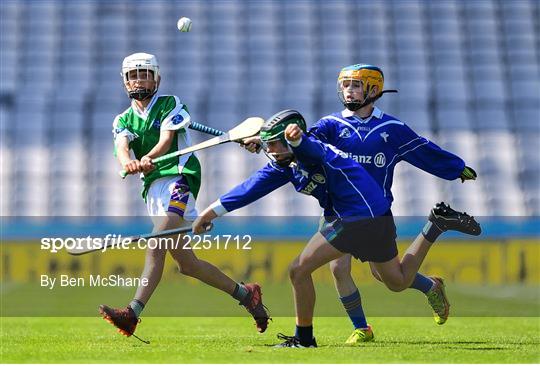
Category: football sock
[431,231]
[240,293]
[422,283]
[304,334]
[353,306]
[137,307]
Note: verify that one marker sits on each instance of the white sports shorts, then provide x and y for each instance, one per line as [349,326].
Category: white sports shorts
[171,194]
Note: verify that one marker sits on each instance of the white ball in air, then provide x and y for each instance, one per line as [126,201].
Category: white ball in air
[184,24]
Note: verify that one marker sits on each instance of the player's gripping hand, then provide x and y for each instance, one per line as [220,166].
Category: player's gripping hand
[199,225]
[252,144]
[146,164]
[467,174]
[203,222]
[293,133]
[132,166]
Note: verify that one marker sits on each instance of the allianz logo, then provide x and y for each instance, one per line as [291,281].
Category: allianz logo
[309,188]
[316,179]
[379,160]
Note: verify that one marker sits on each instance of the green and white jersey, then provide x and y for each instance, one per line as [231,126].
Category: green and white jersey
[142,128]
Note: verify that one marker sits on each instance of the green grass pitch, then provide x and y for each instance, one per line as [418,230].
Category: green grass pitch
[234,340]
[188,323]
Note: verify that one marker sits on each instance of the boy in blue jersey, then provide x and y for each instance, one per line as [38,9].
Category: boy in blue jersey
[378,142]
[358,215]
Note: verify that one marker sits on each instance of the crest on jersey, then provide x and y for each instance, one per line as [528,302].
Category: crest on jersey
[379,160]
[345,133]
[156,124]
[177,119]
[385,136]
[118,130]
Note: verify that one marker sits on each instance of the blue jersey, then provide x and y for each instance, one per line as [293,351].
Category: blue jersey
[343,188]
[380,142]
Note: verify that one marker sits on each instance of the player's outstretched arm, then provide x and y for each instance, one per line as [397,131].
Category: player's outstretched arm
[260,184]
[203,221]
[426,155]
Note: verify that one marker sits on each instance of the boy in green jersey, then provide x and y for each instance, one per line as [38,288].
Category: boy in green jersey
[155,125]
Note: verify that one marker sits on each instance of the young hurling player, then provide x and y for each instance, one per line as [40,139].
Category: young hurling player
[358,214]
[152,126]
[378,142]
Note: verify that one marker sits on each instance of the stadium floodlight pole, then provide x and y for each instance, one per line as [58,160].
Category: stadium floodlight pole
[248,128]
[118,243]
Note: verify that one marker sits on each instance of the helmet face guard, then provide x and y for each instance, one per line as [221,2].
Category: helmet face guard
[273,132]
[345,83]
[282,159]
[369,77]
[141,67]
[141,74]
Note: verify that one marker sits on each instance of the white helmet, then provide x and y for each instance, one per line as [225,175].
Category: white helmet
[140,62]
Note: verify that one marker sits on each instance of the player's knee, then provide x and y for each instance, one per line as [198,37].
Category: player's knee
[293,272]
[155,258]
[186,270]
[296,271]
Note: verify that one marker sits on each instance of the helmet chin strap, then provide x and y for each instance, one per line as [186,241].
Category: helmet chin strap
[354,106]
[141,94]
[284,162]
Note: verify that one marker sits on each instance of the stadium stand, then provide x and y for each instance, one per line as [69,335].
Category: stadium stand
[467,72]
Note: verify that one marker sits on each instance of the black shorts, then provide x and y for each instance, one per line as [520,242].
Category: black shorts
[371,239]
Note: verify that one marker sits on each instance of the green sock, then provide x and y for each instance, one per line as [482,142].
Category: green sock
[137,307]
[240,293]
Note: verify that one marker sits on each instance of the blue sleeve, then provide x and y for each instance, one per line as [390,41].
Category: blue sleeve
[322,130]
[426,155]
[261,183]
[310,151]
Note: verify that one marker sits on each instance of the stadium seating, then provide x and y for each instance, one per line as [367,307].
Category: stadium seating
[467,73]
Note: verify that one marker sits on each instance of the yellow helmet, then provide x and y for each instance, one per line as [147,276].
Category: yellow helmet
[370,76]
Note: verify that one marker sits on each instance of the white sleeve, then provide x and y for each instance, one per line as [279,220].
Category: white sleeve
[177,119]
[120,131]
[218,208]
